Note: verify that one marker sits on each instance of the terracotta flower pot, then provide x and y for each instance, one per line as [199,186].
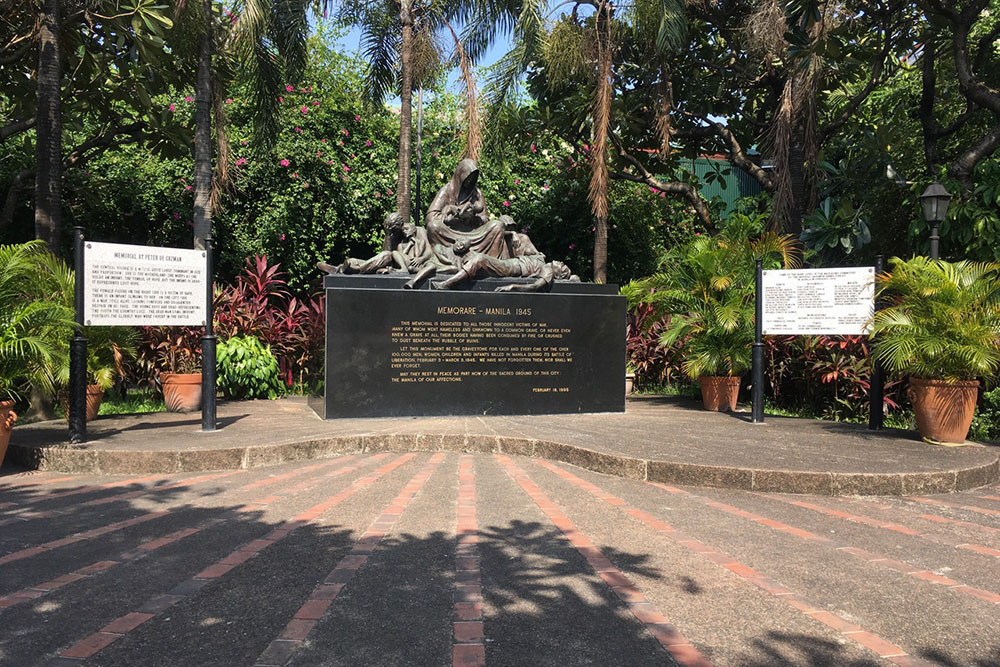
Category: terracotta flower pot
[7,419]
[181,391]
[94,397]
[719,393]
[943,409]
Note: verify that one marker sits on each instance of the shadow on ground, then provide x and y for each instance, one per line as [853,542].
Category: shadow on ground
[544,605]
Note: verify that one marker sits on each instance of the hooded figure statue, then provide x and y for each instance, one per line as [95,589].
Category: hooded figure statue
[458,213]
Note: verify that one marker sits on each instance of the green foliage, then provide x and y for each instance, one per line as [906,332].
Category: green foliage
[247,369]
[707,287]
[35,324]
[986,421]
[944,321]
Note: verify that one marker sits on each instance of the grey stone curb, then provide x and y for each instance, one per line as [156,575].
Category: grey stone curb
[83,459]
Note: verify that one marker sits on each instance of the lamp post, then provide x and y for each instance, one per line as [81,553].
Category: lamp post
[935,202]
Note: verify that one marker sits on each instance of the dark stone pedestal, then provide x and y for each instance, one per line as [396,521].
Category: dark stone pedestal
[392,352]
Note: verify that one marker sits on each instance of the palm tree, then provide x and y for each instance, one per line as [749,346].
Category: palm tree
[404,49]
[577,48]
[263,44]
[48,129]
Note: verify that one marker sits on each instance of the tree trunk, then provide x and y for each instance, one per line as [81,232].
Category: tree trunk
[418,199]
[48,128]
[202,220]
[405,111]
[601,250]
[797,176]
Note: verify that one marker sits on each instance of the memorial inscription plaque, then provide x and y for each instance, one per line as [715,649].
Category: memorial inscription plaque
[392,352]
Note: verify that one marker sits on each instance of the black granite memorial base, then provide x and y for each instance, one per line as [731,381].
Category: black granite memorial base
[392,352]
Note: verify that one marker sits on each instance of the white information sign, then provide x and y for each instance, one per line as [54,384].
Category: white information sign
[818,301]
[142,285]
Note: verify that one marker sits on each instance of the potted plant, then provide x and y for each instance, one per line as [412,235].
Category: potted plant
[176,353]
[707,286]
[34,328]
[108,349]
[942,328]
[629,378]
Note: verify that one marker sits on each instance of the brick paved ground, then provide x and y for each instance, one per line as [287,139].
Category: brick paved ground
[452,559]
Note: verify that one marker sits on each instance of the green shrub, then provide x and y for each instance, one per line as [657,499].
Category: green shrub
[247,369]
[986,422]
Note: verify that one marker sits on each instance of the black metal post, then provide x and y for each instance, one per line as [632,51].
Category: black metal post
[78,351]
[757,390]
[934,239]
[876,392]
[208,370]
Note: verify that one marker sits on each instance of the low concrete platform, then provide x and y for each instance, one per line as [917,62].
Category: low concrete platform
[656,439]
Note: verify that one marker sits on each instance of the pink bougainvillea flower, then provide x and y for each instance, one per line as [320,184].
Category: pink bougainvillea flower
[345,132]
[304,110]
[533,149]
[289,89]
[242,161]
[229,100]
[368,143]
[545,187]
[284,162]
[572,245]
[315,103]
[653,190]
[378,194]
[281,99]
[516,181]
[357,118]
[281,238]
[243,142]
[388,192]
[177,216]
[188,187]
[305,185]
[663,195]
[170,108]
[353,155]
[295,175]
[340,143]
[322,141]
[346,168]
[298,129]
[593,228]
[506,203]
[183,181]
[189,99]
[319,153]
[329,162]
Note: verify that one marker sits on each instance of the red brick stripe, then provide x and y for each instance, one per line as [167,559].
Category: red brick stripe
[80,537]
[118,497]
[880,559]
[993,498]
[18,484]
[678,646]
[870,641]
[298,629]
[468,634]
[96,642]
[36,591]
[945,503]
[927,517]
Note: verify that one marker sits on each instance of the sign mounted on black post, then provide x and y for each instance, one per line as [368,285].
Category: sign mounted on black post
[131,285]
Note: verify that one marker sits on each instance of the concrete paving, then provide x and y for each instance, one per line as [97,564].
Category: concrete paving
[663,440]
[414,558]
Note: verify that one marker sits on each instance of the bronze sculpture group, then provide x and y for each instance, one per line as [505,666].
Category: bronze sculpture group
[459,238]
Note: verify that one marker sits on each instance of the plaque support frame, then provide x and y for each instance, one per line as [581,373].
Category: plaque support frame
[876,388]
[78,349]
[209,371]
